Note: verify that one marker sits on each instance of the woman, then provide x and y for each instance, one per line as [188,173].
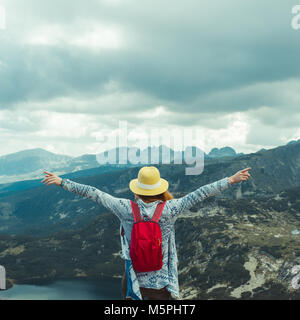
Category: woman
[149,189]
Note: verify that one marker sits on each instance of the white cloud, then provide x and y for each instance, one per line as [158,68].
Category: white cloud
[87,35]
[110,101]
[156,112]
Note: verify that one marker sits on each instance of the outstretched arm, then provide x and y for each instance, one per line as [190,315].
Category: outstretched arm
[118,206]
[179,205]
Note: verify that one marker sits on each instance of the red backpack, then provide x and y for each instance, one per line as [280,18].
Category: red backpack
[145,247]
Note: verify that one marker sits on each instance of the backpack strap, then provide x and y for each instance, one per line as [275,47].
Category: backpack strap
[136,211]
[158,211]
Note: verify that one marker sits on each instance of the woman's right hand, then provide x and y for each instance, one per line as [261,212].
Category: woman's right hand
[51,178]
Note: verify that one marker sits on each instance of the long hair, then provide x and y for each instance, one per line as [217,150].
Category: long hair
[165,196]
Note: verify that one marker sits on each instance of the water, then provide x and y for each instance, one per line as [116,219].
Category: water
[75,289]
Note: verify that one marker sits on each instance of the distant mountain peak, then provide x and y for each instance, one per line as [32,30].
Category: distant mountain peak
[34,151]
[222,152]
[293,141]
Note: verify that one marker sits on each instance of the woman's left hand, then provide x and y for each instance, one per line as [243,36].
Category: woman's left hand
[240,176]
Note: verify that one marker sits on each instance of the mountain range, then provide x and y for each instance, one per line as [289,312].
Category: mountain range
[43,209]
[29,164]
[239,244]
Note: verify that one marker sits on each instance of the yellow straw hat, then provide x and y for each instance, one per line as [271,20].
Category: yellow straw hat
[149,182]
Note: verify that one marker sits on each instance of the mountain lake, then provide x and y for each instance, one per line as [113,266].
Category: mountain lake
[73,289]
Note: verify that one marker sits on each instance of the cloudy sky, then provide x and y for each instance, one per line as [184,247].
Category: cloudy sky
[71,69]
